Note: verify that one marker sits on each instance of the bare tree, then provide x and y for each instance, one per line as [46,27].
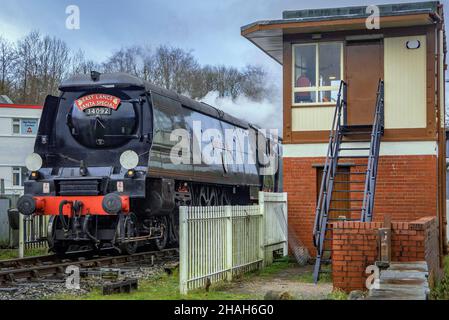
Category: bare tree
[129,60]
[7,59]
[172,68]
[41,65]
[36,64]
[80,65]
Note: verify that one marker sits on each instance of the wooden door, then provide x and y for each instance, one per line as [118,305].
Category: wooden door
[364,68]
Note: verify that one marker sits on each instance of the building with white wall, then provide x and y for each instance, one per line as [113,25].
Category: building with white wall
[18,129]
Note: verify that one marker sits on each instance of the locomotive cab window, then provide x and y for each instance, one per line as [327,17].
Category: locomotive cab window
[317,72]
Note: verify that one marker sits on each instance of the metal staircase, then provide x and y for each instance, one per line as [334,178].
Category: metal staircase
[359,144]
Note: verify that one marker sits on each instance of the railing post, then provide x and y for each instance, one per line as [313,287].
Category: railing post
[183,249]
[285,213]
[229,246]
[21,236]
[262,228]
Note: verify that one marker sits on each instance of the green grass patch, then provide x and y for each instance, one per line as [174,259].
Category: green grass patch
[8,254]
[440,291]
[337,294]
[276,267]
[307,277]
[163,287]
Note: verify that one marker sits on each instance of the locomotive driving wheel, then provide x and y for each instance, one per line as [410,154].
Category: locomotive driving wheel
[224,198]
[161,243]
[208,196]
[130,231]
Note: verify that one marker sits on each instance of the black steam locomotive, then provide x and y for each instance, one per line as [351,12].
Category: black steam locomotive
[115,157]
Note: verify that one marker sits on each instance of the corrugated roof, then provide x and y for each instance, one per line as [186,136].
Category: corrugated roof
[268,34]
[360,11]
[385,10]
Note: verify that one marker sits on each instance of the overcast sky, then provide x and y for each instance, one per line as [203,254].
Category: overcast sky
[211,28]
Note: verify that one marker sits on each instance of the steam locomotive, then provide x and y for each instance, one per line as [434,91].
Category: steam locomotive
[115,157]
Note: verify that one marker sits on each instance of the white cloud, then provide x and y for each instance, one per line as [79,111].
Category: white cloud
[266,114]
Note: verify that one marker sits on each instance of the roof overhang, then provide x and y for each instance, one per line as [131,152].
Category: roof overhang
[268,35]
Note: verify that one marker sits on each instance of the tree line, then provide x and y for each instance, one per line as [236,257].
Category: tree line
[34,66]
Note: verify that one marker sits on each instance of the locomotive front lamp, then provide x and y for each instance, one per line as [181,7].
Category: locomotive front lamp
[34,163]
[129,160]
[130,173]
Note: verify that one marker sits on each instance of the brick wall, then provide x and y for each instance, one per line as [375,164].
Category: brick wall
[355,246]
[406,190]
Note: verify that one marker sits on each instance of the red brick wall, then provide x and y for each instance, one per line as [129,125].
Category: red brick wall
[355,246]
[406,190]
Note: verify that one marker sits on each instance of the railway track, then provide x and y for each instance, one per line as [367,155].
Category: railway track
[36,268]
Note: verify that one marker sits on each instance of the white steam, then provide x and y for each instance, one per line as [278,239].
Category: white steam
[265,114]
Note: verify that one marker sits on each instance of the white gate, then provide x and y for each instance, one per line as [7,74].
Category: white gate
[274,210]
[218,243]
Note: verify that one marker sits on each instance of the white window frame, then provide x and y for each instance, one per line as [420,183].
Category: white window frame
[14,122]
[16,170]
[21,171]
[315,88]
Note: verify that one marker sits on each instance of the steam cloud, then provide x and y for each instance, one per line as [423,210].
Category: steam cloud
[266,114]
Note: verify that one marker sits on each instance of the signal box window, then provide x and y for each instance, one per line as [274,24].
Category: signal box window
[317,72]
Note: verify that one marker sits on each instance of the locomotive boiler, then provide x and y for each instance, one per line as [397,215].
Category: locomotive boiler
[116,156]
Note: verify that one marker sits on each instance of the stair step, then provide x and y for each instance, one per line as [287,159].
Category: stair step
[349,182]
[355,191]
[345,133]
[356,148]
[356,141]
[345,210]
[352,156]
[343,220]
[350,173]
[346,200]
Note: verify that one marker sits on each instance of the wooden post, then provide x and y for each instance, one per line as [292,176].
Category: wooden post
[21,236]
[183,249]
[229,248]
[285,212]
[385,243]
[2,187]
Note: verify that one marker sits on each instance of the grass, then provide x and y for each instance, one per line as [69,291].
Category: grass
[441,289]
[307,277]
[8,254]
[276,267]
[337,294]
[164,287]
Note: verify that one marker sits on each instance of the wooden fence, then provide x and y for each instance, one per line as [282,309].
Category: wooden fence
[218,243]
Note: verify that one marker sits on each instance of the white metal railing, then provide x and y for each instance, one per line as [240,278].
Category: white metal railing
[218,243]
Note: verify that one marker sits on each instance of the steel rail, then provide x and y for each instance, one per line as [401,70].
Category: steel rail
[38,271]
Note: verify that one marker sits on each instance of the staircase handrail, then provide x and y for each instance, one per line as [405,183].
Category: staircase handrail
[322,208]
